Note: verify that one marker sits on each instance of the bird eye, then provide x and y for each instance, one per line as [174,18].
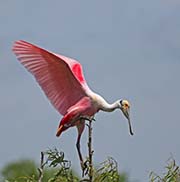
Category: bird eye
[126,105]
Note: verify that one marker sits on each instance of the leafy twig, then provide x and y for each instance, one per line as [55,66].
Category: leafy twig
[172,173]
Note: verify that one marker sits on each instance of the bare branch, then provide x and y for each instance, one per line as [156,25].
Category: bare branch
[40,169]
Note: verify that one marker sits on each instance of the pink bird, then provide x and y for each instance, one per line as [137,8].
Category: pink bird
[63,82]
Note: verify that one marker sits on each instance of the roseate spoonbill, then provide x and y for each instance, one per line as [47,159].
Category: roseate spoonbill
[63,82]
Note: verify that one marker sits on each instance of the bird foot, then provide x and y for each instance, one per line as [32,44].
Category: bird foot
[84,168]
[88,118]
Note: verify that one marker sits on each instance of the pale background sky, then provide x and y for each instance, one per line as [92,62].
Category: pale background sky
[128,49]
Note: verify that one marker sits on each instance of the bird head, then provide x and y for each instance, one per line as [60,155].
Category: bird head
[125,108]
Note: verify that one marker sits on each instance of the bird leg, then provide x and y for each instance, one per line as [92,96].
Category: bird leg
[78,149]
[80,128]
[83,164]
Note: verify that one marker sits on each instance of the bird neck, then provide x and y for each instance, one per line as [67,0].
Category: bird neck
[101,103]
[110,107]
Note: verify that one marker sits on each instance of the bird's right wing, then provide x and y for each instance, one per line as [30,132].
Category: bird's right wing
[61,78]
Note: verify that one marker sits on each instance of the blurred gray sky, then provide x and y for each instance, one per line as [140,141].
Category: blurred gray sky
[129,49]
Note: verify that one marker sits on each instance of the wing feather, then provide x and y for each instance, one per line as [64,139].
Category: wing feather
[60,77]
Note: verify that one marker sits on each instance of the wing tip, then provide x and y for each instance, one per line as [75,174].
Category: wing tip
[20,44]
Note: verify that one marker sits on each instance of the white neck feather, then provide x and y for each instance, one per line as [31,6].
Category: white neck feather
[103,105]
[110,107]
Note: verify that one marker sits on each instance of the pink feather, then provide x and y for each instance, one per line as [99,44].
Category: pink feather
[60,77]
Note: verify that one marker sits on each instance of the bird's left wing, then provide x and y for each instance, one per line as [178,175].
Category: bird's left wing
[61,78]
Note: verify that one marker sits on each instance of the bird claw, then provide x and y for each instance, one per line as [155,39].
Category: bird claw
[84,168]
[88,118]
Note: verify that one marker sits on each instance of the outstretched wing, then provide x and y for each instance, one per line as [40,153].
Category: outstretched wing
[60,77]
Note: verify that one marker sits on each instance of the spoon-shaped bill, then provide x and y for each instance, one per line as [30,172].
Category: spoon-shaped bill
[126,114]
[130,128]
